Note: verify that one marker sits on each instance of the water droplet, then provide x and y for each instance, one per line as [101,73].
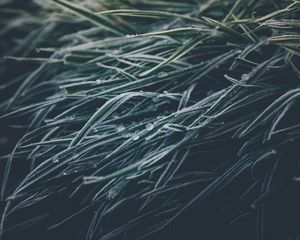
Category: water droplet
[135,137]
[98,81]
[127,135]
[162,74]
[120,128]
[148,138]
[245,77]
[64,173]
[149,126]
[55,159]
[116,190]
[112,194]
[255,68]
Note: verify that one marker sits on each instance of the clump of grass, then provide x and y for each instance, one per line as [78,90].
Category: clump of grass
[133,112]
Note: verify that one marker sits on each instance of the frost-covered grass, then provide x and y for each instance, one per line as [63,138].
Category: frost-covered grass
[130,113]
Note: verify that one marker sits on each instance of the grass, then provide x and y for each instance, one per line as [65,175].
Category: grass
[132,113]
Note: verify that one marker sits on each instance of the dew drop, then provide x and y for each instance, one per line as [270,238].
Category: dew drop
[55,159]
[149,126]
[120,128]
[255,68]
[127,135]
[135,137]
[148,138]
[98,81]
[112,194]
[245,77]
[162,74]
